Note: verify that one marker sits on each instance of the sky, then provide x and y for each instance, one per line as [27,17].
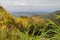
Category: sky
[30,5]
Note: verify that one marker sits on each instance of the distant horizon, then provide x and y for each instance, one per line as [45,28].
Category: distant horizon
[35,11]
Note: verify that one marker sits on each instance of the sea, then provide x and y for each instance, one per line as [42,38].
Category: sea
[18,14]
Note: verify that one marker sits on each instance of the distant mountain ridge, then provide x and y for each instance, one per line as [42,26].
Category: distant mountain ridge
[50,15]
[17,14]
[41,14]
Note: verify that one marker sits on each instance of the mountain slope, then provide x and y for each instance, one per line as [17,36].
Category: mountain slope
[5,18]
[50,15]
[54,16]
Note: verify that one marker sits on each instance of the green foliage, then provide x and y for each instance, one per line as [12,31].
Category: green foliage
[25,28]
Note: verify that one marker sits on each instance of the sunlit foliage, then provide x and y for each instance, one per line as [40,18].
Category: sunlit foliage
[28,28]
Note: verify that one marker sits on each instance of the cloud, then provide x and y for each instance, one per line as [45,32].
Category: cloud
[22,4]
[30,5]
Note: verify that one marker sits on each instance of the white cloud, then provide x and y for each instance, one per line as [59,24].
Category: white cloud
[34,5]
[22,4]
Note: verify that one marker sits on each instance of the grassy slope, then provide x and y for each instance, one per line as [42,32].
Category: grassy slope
[46,27]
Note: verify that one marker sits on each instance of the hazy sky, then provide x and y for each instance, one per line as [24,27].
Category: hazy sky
[31,5]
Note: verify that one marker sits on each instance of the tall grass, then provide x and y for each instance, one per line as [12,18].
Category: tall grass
[16,34]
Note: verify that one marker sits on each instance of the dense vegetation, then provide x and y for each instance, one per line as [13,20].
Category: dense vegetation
[29,28]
